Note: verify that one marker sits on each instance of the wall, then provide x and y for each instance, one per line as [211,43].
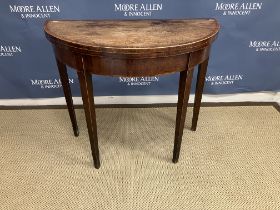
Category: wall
[244,58]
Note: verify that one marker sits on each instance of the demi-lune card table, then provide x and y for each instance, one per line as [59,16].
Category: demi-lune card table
[132,48]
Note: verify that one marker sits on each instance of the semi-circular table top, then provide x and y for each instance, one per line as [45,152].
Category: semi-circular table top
[133,37]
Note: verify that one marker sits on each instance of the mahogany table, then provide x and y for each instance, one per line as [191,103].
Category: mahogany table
[132,48]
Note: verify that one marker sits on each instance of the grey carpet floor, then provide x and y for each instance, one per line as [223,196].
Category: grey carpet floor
[232,161]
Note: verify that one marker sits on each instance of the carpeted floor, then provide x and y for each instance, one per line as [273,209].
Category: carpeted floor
[232,161]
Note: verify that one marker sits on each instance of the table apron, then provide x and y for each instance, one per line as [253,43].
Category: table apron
[129,67]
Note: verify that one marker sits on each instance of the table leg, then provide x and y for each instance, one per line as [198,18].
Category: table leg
[183,98]
[88,102]
[68,95]
[202,69]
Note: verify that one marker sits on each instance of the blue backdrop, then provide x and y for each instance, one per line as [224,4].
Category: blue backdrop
[244,58]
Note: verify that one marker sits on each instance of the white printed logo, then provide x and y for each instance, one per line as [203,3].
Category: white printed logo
[138,80]
[238,8]
[223,79]
[265,46]
[48,83]
[137,10]
[34,11]
[9,50]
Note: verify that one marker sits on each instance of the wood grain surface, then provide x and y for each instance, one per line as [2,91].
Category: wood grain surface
[132,36]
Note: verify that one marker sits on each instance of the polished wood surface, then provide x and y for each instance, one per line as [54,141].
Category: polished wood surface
[127,50]
[68,95]
[202,69]
[185,82]
[88,101]
[134,37]
[132,48]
